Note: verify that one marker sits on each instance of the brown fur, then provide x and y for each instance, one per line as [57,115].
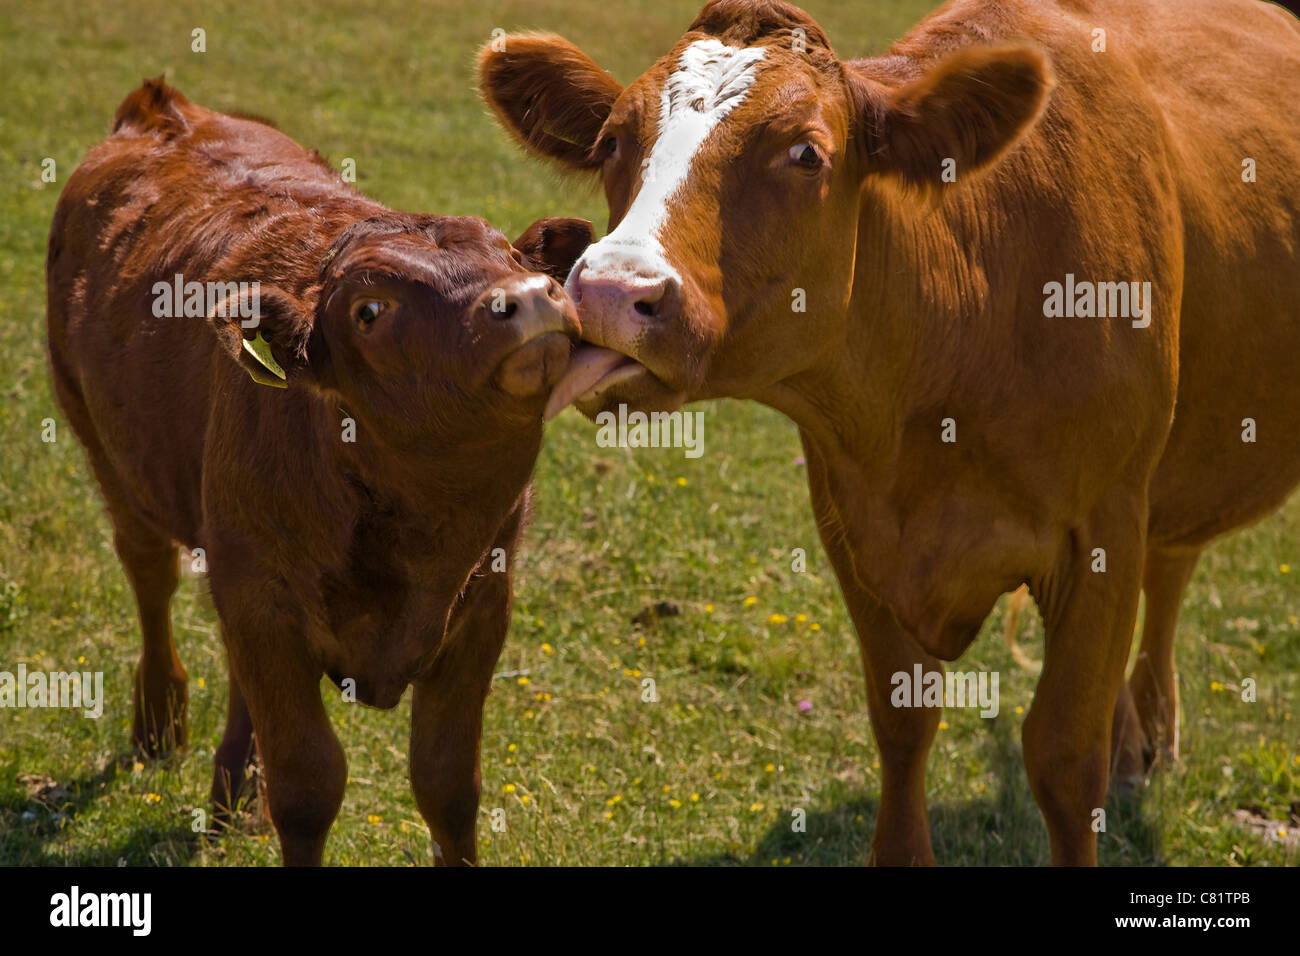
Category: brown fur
[367,561]
[559,123]
[1073,434]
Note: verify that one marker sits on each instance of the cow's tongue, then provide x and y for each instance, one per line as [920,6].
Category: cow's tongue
[589,364]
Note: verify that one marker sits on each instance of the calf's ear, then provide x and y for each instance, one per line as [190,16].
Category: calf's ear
[553,245]
[548,94]
[267,331]
[970,108]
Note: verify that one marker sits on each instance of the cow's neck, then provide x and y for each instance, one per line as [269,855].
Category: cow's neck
[872,413]
[908,343]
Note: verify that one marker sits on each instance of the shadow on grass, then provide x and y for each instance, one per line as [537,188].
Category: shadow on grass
[1001,826]
[34,816]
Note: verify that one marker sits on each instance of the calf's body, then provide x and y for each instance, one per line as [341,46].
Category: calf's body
[348,520]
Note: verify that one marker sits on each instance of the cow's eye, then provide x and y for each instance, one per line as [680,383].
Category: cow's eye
[366,312]
[805,156]
[609,147]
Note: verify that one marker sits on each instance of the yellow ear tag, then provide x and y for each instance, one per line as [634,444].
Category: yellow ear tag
[260,349]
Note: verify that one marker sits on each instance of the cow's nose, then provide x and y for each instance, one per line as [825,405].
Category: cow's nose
[524,300]
[621,293]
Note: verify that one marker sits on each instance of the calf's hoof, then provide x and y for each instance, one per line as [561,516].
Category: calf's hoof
[244,794]
[161,722]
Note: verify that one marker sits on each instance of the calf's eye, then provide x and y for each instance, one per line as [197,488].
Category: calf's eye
[805,155]
[367,312]
[610,146]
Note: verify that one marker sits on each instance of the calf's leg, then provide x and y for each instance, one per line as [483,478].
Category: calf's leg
[305,767]
[230,771]
[447,719]
[272,666]
[160,692]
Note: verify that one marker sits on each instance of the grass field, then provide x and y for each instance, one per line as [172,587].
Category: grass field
[586,772]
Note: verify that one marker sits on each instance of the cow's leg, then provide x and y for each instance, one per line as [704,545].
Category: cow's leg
[447,719]
[1152,684]
[1088,616]
[1146,714]
[229,776]
[903,734]
[1129,747]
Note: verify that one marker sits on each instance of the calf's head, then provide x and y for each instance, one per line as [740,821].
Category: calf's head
[431,329]
[734,170]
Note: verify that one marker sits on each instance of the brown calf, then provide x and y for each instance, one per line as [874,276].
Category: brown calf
[886,250]
[358,520]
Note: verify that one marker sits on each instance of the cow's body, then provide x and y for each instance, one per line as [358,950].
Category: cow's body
[1134,171]
[1223,78]
[925,320]
[346,520]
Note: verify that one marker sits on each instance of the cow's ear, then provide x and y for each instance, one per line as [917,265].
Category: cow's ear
[553,245]
[548,94]
[267,331]
[960,116]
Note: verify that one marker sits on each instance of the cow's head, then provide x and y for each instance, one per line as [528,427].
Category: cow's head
[734,170]
[428,327]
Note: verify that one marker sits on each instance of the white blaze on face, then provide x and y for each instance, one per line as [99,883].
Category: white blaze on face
[710,81]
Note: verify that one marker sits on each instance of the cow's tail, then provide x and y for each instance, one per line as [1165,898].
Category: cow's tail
[1016,604]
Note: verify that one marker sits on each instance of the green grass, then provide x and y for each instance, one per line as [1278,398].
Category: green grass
[587,773]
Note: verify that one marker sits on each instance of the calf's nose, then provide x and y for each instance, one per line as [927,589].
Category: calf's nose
[525,300]
[533,308]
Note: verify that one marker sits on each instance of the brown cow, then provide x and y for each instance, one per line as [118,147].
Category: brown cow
[886,250]
[359,519]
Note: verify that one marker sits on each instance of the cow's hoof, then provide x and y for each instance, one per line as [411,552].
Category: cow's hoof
[1130,760]
[1127,783]
[1161,757]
